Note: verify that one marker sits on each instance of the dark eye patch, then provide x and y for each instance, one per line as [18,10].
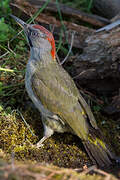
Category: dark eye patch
[34,33]
[29,34]
[30,43]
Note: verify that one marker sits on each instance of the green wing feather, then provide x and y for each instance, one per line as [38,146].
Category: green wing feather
[58,93]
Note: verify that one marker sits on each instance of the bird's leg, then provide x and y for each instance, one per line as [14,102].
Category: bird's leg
[40,143]
[47,133]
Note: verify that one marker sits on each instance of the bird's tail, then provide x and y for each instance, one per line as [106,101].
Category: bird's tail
[98,151]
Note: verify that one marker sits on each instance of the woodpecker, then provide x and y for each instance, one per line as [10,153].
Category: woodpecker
[56,96]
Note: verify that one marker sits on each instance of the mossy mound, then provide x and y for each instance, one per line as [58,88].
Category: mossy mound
[64,150]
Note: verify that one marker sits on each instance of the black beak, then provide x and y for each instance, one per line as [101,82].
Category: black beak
[25,27]
[20,22]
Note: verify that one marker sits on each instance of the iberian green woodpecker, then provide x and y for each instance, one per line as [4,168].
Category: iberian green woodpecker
[56,96]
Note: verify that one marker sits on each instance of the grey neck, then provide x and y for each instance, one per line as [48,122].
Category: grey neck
[40,55]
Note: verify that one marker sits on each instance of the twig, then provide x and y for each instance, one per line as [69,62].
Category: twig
[72,40]
[50,176]
[60,40]
[12,159]
[52,27]
[16,35]
[83,72]
[5,50]
[101,172]
[24,120]
[4,54]
[65,177]
[92,97]
[92,168]
[78,169]
[58,60]
[7,70]
[11,49]
[109,27]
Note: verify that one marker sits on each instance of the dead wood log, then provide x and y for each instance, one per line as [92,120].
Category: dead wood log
[72,13]
[98,67]
[66,11]
[107,8]
[25,11]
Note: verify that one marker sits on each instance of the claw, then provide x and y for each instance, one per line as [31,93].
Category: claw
[40,143]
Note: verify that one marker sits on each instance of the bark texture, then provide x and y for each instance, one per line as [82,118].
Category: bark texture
[98,67]
[107,8]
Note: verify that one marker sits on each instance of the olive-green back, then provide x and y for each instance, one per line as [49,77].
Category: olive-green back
[58,93]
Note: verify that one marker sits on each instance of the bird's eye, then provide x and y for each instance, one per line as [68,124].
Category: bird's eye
[34,33]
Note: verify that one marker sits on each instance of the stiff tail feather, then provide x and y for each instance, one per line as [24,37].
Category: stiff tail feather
[98,152]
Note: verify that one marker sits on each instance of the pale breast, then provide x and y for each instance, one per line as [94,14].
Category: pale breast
[30,69]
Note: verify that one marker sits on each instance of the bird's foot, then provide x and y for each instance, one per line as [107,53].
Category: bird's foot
[47,133]
[40,143]
[37,146]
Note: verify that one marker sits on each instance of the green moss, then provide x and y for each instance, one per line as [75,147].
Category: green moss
[63,150]
[14,134]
